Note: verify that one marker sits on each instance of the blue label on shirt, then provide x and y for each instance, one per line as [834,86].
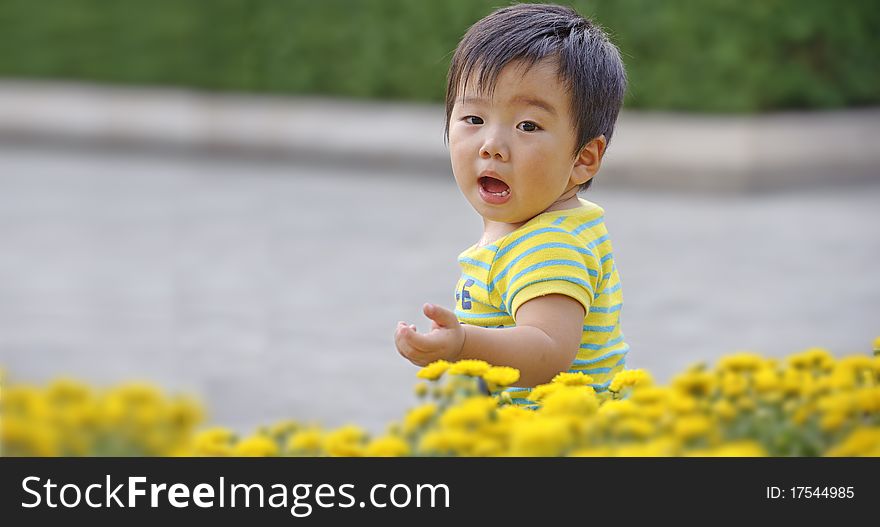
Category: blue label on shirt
[466,295]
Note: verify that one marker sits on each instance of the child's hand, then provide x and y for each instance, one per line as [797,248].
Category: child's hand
[444,341]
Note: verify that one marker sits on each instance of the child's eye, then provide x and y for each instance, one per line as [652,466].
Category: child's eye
[528,126]
[473,119]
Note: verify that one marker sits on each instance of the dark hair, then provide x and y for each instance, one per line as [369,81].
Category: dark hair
[589,65]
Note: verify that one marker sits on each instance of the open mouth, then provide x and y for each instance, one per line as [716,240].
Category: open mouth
[494,187]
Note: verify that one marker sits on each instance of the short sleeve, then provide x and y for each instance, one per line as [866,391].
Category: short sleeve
[544,261]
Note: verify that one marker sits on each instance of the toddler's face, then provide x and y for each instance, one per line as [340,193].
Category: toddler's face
[512,153]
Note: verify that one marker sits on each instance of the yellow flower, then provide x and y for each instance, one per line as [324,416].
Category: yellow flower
[635,427]
[841,403]
[541,391]
[766,380]
[691,426]
[433,371]
[877,346]
[80,418]
[447,442]
[868,400]
[21,437]
[501,376]
[139,405]
[682,403]
[618,409]
[840,379]
[746,404]
[214,442]
[68,391]
[812,358]
[574,401]
[550,436]
[649,395]
[839,397]
[696,383]
[447,391]
[724,409]
[572,379]
[513,414]
[471,367]
[799,382]
[256,446]
[861,442]
[855,362]
[660,447]
[470,413]
[628,378]
[652,411]
[599,451]
[744,448]
[733,384]
[486,447]
[347,441]
[866,378]
[306,441]
[418,417]
[216,435]
[802,414]
[387,446]
[27,401]
[821,358]
[740,362]
[832,421]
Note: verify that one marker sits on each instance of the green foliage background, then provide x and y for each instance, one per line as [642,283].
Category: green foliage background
[709,56]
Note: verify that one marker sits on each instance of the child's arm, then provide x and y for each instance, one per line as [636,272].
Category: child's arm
[544,342]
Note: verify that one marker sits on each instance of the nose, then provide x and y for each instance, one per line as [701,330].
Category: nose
[494,147]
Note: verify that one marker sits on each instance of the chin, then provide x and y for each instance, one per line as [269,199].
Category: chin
[506,213]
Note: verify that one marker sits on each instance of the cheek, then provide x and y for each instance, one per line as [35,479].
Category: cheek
[458,151]
[534,162]
[455,156]
[459,161]
[458,141]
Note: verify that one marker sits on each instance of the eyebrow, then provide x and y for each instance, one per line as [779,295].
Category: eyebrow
[522,99]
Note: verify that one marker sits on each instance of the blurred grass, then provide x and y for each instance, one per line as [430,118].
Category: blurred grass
[710,56]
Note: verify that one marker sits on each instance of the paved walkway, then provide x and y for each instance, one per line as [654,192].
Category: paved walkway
[649,150]
[271,290]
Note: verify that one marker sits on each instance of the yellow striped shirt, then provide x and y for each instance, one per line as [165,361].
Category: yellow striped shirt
[564,252]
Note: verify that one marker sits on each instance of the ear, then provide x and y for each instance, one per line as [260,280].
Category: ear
[588,161]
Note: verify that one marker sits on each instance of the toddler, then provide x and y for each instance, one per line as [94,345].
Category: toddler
[532,97]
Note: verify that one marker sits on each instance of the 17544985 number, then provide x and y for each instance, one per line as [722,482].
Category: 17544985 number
[822,492]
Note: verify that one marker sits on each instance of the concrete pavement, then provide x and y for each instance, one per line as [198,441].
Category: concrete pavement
[685,152]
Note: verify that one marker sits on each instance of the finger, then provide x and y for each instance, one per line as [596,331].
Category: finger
[405,351]
[403,326]
[403,347]
[441,316]
[404,339]
[436,340]
[413,355]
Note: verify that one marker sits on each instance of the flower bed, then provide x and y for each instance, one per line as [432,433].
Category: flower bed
[809,404]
